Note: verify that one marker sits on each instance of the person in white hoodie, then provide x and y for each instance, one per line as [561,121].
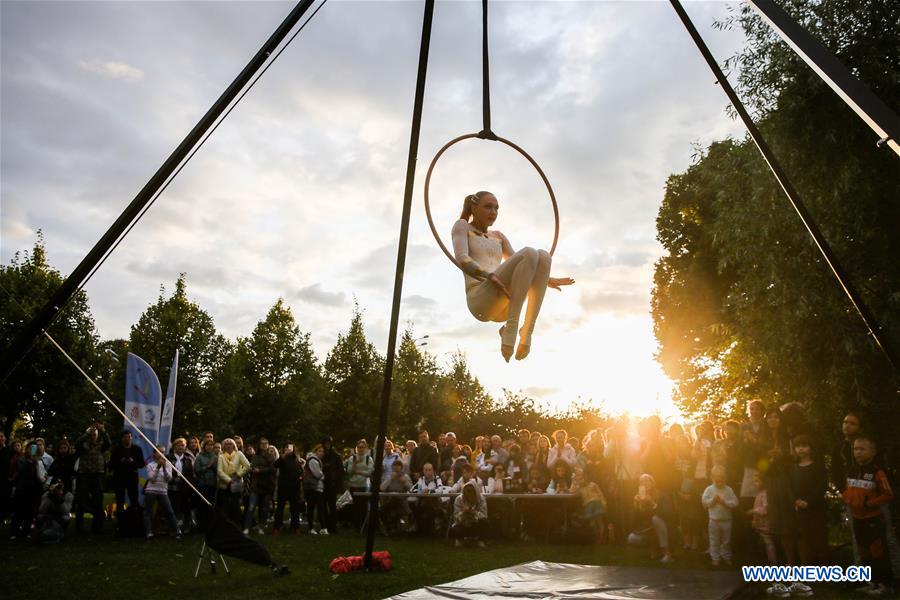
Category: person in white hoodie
[314,488]
[719,500]
[469,514]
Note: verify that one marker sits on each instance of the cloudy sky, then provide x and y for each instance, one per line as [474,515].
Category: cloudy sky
[298,194]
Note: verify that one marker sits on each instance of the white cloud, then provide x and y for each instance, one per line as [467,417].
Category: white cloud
[112,69]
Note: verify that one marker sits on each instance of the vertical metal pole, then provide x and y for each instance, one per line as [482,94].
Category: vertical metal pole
[868,107]
[868,318]
[17,350]
[486,132]
[398,279]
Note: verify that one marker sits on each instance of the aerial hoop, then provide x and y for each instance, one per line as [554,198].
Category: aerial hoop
[487,134]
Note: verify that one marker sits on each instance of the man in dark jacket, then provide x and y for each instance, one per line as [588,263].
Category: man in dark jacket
[290,478]
[333,467]
[424,453]
[124,461]
[262,486]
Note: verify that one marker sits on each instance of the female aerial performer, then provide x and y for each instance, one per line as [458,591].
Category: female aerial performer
[498,279]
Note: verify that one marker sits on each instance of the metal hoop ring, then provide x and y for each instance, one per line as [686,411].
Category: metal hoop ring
[534,164]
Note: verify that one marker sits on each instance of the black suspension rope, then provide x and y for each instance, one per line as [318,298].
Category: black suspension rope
[398,278]
[875,329]
[58,309]
[486,133]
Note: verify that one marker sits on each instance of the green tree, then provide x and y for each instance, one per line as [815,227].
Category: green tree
[470,406]
[286,387]
[172,323]
[743,305]
[354,371]
[45,390]
[418,398]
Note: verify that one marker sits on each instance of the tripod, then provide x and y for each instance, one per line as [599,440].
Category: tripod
[210,555]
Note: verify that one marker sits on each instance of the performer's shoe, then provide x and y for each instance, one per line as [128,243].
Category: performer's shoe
[524,346]
[506,346]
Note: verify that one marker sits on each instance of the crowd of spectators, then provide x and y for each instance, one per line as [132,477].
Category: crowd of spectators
[751,491]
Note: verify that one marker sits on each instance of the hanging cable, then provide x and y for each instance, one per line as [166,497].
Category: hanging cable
[486,133]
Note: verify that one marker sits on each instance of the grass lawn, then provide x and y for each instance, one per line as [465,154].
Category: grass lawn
[108,567]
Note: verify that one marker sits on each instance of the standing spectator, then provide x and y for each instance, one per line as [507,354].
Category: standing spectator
[461,456]
[622,453]
[124,461]
[205,474]
[590,459]
[809,481]
[523,436]
[407,457]
[207,436]
[179,492]
[478,450]
[782,513]
[63,468]
[467,474]
[6,452]
[719,500]
[156,491]
[760,520]
[28,485]
[496,455]
[867,489]
[754,444]
[262,486]
[333,468]
[359,468]
[562,450]
[42,454]
[313,488]
[231,467]
[193,446]
[593,504]
[446,455]
[89,479]
[290,479]
[424,453]
[469,514]
[390,457]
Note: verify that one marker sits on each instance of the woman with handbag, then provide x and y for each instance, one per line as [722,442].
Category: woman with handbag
[232,467]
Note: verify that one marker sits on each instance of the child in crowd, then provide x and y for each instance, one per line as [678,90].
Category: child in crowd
[593,503]
[866,492]
[561,479]
[467,474]
[649,526]
[809,481]
[759,515]
[719,500]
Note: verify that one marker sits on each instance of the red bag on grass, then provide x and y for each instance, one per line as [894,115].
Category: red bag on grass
[381,561]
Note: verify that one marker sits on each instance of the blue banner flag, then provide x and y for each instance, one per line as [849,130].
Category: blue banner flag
[143,401]
[165,423]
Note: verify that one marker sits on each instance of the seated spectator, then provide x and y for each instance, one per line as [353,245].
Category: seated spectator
[461,456]
[561,478]
[426,509]
[54,513]
[469,514]
[467,474]
[593,504]
[394,510]
[516,468]
[156,491]
[650,529]
[498,481]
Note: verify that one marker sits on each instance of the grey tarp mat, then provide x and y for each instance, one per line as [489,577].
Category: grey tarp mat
[559,581]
